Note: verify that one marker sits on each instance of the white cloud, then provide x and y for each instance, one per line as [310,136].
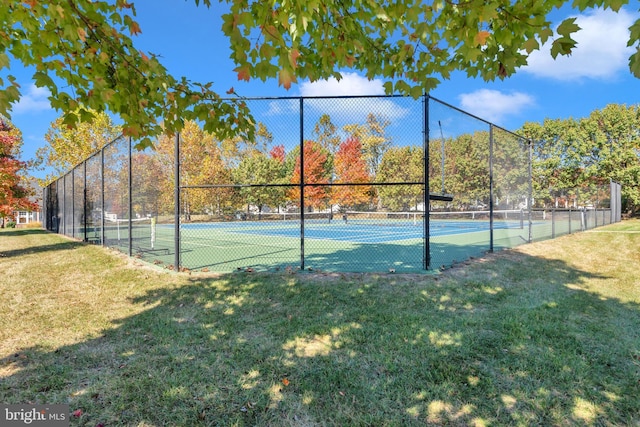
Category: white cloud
[351,84]
[351,109]
[34,100]
[601,51]
[279,107]
[493,105]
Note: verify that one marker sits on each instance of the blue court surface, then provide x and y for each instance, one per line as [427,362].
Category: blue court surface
[356,231]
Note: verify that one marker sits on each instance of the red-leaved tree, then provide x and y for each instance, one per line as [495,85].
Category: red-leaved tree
[278,153]
[317,170]
[350,167]
[13,195]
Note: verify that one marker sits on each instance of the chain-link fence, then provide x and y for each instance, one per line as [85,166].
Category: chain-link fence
[332,184]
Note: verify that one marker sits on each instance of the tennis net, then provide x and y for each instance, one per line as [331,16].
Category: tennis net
[141,230]
[460,219]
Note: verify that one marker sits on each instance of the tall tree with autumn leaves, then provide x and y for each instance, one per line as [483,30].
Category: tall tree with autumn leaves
[316,170]
[201,163]
[350,167]
[14,194]
[68,146]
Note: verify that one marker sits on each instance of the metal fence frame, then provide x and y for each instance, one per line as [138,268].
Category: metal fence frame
[72,217]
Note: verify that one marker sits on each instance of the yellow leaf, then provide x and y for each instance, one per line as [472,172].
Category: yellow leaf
[350,60]
[285,78]
[134,28]
[481,37]
[82,34]
[243,73]
[293,57]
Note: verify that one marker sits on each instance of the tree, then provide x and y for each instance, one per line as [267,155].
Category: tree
[67,146]
[555,168]
[401,164]
[325,133]
[373,137]
[350,167]
[278,153]
[586,152]
[13,194]
[201,163]
[260,169]
[237,148]
[613,134]
[466,167]
[510,170]
[317,171]
[148,182]
[88,47]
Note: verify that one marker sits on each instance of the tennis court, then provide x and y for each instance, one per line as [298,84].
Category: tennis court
[361,241]
[199,212]
[372,241]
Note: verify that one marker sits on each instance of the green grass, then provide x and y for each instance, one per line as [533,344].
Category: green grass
[548,334]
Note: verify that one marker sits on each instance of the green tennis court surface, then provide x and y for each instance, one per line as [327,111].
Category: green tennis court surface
[357,244]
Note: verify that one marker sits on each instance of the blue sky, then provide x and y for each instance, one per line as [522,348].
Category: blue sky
[190,43]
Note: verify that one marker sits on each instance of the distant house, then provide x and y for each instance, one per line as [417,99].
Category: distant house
[25,217]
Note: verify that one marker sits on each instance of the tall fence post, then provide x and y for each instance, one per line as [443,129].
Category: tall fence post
[302,207]
[84,201]
[73,202]
[427,200]
[530,198]
[176,201]
[64,205]
[491,188]
[102,204]
[130,184]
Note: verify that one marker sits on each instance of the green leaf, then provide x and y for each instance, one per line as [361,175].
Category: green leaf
[4,60]
[634,64]
[562,46]
[567,27]
[70,119]
[615,5]
[42,79]
[634,35]
[531,45]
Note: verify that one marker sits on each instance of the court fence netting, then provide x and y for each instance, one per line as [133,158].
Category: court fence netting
[359,184]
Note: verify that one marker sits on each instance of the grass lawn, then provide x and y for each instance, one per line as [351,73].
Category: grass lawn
[548,334]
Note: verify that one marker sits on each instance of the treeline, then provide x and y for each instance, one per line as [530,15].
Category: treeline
[363,171]
[571,154]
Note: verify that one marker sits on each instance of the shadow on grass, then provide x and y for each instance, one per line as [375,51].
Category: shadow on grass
[11,232]
[60,245]
[518,344]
